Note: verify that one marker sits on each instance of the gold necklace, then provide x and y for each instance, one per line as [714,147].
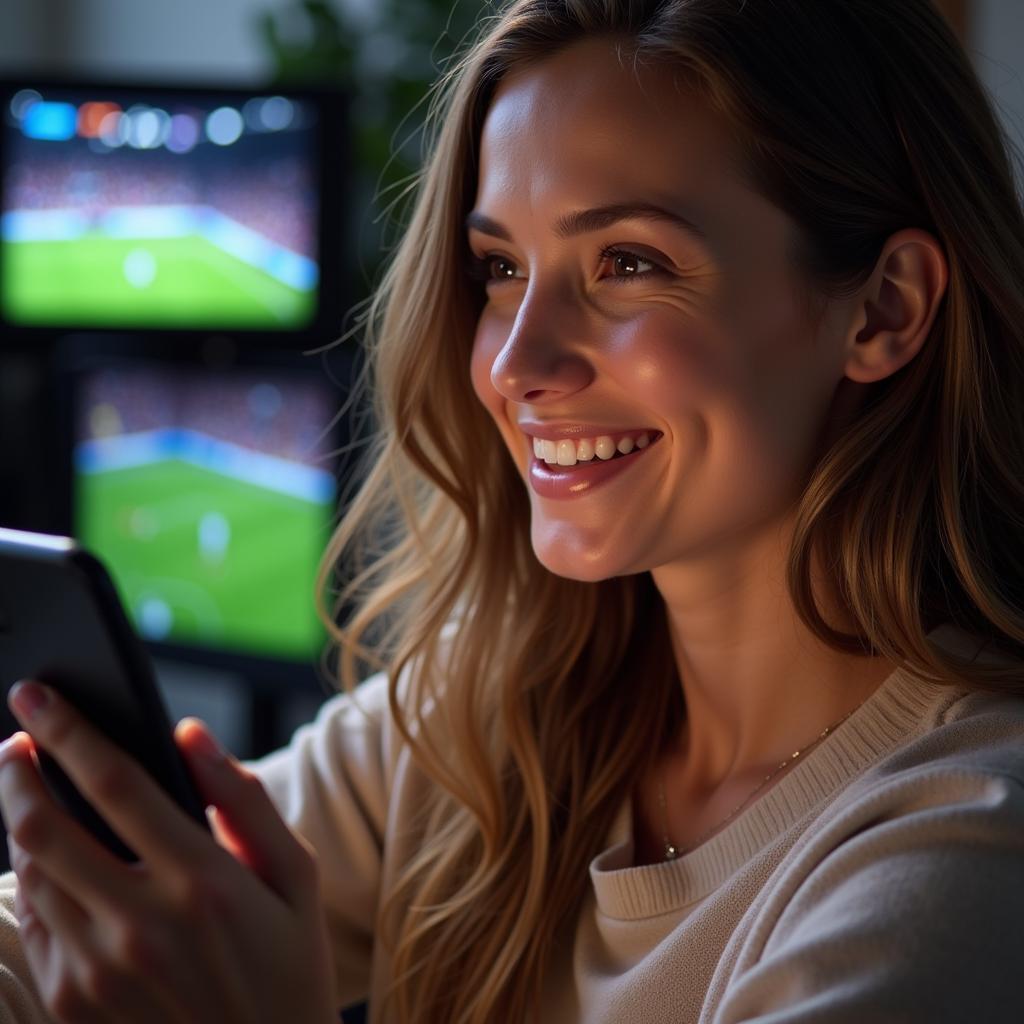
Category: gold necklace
[671,852]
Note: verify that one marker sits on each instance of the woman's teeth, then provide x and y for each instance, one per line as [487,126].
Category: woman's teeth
[568,452]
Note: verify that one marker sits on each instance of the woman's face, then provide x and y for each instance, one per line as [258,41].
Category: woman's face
[694,336]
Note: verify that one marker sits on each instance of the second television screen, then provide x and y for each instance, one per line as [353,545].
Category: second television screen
[211,497]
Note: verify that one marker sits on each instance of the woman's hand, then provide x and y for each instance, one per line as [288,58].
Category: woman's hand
[200,930]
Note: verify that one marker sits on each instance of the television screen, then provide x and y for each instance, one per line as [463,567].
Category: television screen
[210,496]
[174,209]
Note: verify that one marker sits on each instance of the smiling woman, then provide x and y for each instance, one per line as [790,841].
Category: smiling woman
[688,550]
[783,238]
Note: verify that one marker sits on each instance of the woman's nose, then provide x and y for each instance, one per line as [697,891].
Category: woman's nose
[545,352]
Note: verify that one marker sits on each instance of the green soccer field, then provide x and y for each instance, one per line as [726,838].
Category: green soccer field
[253,593]
[156,282]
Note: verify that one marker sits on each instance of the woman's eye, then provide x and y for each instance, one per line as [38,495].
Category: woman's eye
[487,264]
[629,263]
[625,266]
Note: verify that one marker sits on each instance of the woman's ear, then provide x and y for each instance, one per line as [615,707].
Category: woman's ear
[896,308]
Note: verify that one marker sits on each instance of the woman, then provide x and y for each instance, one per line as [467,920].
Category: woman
[690,544]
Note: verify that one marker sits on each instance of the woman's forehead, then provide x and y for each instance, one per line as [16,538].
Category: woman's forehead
[545,172]
[588,80]
[571,117]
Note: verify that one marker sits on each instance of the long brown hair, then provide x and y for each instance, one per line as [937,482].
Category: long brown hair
[857,118]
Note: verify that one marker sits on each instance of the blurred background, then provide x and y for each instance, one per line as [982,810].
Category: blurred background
[193,198]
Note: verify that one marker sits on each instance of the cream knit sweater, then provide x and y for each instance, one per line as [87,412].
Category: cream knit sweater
[880,881]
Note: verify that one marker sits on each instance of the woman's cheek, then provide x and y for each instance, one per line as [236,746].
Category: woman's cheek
[486,346]
[668,365]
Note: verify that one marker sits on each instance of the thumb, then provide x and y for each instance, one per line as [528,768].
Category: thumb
[243,818]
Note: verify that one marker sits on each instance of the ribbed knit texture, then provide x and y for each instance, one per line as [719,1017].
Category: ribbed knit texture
[879,881]
[899,710]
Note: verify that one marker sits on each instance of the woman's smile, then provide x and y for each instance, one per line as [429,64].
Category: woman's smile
[580,478]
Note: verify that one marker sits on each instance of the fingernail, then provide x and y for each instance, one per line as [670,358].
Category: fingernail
[28,699]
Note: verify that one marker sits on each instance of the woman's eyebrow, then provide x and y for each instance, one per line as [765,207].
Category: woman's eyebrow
[580,222]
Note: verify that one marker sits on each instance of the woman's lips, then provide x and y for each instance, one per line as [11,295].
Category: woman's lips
[554,481]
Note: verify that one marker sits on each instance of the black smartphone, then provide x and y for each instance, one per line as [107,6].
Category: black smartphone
[62,623]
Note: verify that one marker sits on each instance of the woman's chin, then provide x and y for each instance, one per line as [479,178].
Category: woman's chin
[578,566]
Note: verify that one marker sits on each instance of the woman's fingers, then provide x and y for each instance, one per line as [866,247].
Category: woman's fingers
[134,805]
[22,904]
[57,844]
[85,974]
[247,820]
[183,935]
[57,967]
[57,911]
[35,937]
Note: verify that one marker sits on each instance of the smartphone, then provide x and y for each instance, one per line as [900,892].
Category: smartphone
[62,623]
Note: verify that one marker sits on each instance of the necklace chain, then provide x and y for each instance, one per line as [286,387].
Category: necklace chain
[671,851]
